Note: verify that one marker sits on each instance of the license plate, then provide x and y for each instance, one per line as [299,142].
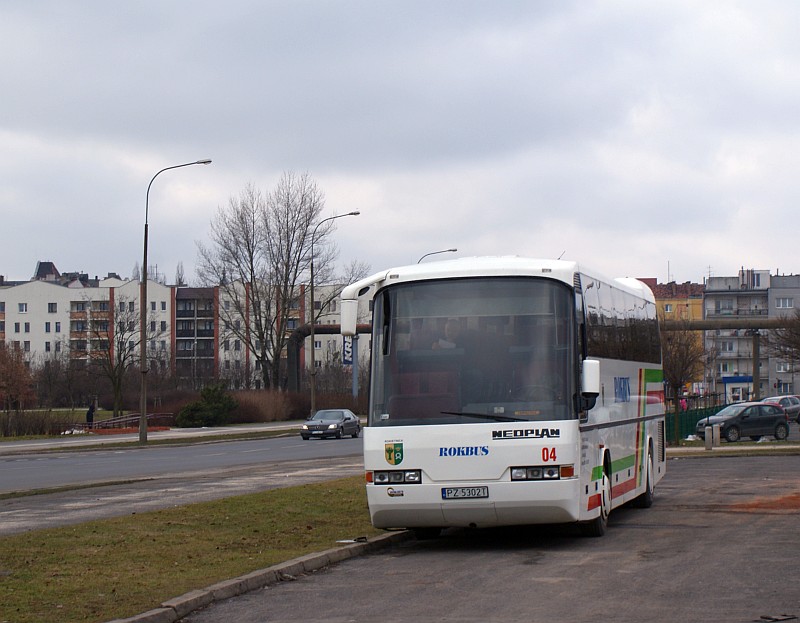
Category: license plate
[464,493]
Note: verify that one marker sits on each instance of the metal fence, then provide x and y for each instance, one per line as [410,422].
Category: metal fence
[687,420]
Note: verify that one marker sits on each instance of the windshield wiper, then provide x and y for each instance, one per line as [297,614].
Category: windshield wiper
[488,416]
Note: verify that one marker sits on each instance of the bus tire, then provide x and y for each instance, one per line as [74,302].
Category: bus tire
[645,500]
[597,526]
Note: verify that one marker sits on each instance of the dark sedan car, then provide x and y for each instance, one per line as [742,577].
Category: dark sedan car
[748,419]
[331,423]
[790,404]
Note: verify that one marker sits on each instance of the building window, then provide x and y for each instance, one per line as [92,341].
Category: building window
[47,327]
[237,345]
[152,306]
[27,327]
[26,346]
[784,303]
[317,344]
[152,326]
[122,306]
[47,347]
[131,306]
[726,347]
[2,307]
[16,327]
[291,323]
[23,308]
[163,325]
[783,367]
[668,308]
[52,308]
[58,347]
[163,306]
[58,327]
[78,306]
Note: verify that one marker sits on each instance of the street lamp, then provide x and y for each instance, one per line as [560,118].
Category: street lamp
[435,252]
[313,358]
[143,307]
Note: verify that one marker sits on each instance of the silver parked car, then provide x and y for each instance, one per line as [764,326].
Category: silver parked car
[790,404]
[331,423]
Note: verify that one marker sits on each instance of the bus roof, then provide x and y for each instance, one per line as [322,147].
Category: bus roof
[488,266]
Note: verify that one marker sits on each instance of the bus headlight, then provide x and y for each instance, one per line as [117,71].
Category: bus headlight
[551,472]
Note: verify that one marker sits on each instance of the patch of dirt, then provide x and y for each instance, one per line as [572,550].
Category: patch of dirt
[789,502]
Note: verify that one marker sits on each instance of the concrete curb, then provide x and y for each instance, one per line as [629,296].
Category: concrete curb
[175,609]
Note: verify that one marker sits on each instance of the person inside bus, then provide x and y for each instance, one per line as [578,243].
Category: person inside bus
[453,337]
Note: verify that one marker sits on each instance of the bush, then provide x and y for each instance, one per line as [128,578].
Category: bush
[213,409]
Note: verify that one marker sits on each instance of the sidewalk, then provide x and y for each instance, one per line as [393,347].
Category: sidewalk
[87,440]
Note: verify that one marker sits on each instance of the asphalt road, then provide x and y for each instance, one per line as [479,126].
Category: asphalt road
[720,544]
[149,478]
[44,470]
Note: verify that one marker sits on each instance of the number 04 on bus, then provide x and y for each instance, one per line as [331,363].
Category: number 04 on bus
[507,390]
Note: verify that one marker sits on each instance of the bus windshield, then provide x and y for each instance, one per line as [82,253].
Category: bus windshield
[473,350]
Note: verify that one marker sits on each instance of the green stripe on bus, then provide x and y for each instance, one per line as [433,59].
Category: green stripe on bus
[616,466]
[653,376]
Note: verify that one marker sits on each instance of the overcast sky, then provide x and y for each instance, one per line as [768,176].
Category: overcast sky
[646,139]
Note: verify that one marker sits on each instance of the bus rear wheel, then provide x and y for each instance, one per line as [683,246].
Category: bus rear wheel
[645,500]
[597,526]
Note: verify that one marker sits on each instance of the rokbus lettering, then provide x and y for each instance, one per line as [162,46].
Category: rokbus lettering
[464,451]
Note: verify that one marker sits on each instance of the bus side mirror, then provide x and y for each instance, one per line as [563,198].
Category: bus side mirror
[349,316]
[590,383]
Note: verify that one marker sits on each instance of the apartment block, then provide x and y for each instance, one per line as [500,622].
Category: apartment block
[191,332]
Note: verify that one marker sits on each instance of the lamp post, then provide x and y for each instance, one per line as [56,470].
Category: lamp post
[435,252]
[313,358]
[143,307]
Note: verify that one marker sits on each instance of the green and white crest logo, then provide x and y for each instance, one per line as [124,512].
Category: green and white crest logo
[394,453]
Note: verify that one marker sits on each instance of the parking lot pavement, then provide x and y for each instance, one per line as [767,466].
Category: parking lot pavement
[718,545]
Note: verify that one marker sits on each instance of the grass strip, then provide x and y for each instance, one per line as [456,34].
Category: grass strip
[114,568]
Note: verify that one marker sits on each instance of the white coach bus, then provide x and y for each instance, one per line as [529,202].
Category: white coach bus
[509,391]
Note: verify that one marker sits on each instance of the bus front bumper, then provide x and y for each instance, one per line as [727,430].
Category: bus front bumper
[507,504]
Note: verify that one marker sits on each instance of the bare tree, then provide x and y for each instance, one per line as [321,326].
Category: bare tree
[114,345]
[16,382]
[180,277]
[683,357]
[53,373]
[260,255]
[784,343]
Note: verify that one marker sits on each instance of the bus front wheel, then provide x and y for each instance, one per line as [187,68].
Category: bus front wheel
[597,526]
